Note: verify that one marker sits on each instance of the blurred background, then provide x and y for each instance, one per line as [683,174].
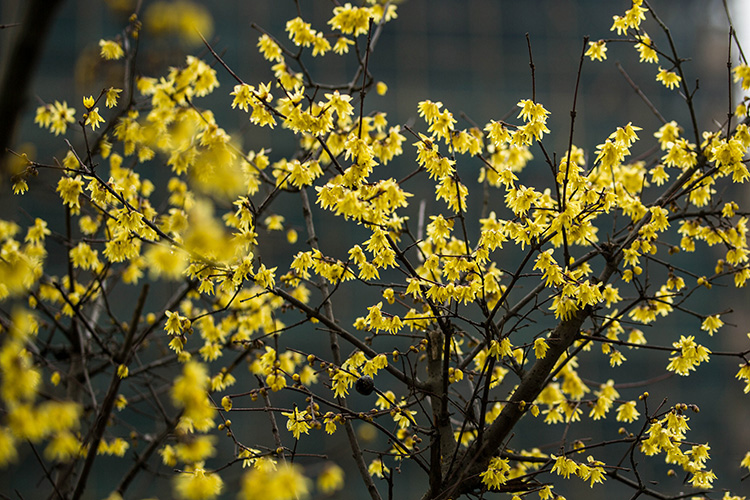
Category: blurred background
[471,55]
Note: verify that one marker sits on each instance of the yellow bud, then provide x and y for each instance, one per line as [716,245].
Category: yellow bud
[719,266]
[226,403]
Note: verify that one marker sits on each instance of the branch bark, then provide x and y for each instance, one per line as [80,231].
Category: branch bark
[18,71]
[464,476]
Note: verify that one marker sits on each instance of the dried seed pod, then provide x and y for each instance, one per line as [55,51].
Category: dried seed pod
[365,385]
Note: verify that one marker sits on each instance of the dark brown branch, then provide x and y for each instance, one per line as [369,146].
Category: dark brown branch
[19,68]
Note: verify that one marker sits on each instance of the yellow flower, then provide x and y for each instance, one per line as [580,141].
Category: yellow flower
[8,451]
[226,403]
[702,479]
[597,51]
[297,422]
[111,97]
[121,402]
[340,103]
[20,186]
[55,117]
[635,15]
[532,111]
[331,479]
[377,468]
[111,50]
[274,222]
[742,72]
[711,324]
[689,356]
[564,466]
[540,348]
[271,483]
[70,188]
[195,449]
[321,45]
[351,19]
[243,96]
[276,381]
[670,79]
[63,447]
[198,484]
[645,49]
[168,456]
[620,24]
[429,110]
[595,473]
[291,236]
[189,391]
[342,45]
[93,118]
[269,49]
[84,257]
[626,412]
[300,32]
[496,473]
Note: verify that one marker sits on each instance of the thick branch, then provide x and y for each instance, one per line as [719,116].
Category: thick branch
[20,66]
[465,476]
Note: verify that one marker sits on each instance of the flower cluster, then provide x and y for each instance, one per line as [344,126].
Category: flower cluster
[451,317]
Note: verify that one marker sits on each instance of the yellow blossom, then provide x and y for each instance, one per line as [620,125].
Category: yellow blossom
[331,479]
[540,348]
[711,324]
[269,48]
[626,412]
[670,79]
[377,468]
[597,51]
[111,97]
[351,19]
[645,49]
[564,466]
[297,422]
[496,473]
[111,50]
[198,484]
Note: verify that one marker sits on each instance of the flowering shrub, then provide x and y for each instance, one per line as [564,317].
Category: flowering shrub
[221,379]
